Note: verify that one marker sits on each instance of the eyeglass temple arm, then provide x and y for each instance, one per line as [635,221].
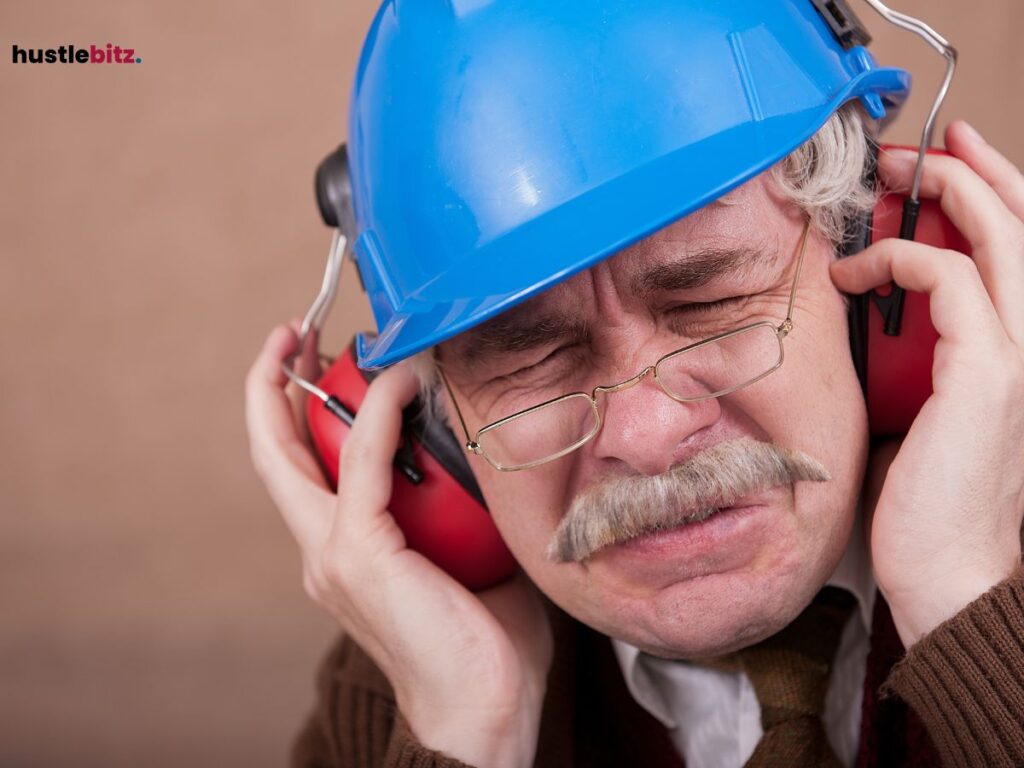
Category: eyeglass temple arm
[787,324]
[471,444]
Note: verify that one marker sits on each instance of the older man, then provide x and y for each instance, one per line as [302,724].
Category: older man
[693,486]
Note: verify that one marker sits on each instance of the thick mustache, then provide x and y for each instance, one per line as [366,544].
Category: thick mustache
[621,509]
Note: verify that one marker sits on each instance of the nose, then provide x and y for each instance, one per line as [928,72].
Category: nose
[644,428]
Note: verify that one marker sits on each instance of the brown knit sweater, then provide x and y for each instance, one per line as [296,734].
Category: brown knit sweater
[965,681]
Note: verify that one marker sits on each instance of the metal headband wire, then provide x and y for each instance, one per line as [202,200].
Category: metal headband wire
[317,312]
[943,46]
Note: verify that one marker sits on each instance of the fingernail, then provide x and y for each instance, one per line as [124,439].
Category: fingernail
[972,132]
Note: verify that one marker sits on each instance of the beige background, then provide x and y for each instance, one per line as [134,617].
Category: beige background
[155,222]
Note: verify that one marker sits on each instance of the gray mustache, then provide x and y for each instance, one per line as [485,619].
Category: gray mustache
[620,509]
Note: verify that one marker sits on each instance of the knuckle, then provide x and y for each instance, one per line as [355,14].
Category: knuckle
[336,571]
[313,584]
[896,248]
[310,585]
[960,264]
[955,170]
[942,168]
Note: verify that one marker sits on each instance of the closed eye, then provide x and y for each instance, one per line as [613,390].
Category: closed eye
[699,307]
[549,362]
[703,318]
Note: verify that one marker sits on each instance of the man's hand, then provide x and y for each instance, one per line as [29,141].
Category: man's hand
[469,671]
[947,522]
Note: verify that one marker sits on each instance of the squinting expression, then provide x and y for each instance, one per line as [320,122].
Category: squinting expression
[710,586]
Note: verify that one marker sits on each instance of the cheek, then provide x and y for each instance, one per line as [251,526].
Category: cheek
[824,406]
[526,507]
[835,409]
[814,403]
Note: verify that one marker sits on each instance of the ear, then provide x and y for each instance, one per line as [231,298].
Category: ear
[857,237]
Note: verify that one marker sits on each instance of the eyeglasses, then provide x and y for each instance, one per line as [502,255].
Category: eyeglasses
[706,369]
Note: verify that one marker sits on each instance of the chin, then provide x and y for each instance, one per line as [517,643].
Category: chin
[713,615]
[705,588]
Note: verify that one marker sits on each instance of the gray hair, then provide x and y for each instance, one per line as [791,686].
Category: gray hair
[825,176]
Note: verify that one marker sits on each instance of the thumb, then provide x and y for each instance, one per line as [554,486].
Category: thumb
[365,470]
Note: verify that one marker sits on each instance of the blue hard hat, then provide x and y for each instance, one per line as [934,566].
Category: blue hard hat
[497,147]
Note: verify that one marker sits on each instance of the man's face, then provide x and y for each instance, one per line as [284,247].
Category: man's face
[702,588]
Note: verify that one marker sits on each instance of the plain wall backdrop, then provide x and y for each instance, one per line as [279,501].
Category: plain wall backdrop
[155,222]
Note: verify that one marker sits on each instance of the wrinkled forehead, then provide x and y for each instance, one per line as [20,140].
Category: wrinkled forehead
[735,237]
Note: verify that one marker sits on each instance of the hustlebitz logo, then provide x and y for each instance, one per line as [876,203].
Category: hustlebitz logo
[72,54]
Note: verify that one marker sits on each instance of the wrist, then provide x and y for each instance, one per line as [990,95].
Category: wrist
[916,612]
[478,735]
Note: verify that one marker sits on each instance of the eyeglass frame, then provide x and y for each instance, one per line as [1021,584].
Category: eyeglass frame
[472,445]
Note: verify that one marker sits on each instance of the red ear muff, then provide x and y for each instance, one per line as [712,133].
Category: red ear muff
[899,368]
[442,516]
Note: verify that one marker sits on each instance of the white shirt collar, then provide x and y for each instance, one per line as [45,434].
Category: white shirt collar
[853,574]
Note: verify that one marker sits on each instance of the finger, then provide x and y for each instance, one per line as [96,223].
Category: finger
[969,202]
[268,412]
[366,473]
[995,233]
[288,469]
[307,365]
[960,309]
[985,160]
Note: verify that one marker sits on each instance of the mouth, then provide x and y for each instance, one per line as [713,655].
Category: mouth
[724,540]
[681,528]
[693,526]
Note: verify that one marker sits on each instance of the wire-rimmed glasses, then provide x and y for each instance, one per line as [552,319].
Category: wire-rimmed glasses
[709,368]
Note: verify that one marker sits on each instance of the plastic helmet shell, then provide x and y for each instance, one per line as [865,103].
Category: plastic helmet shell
[497,148]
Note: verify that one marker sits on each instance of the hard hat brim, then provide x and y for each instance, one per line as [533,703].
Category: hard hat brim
[648,198]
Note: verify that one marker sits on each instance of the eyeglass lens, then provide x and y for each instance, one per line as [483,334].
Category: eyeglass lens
[707,369]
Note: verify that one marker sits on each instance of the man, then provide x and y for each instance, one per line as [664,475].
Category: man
[697,474]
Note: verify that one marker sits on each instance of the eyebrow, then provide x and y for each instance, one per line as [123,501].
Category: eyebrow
[519,332]
[700,268]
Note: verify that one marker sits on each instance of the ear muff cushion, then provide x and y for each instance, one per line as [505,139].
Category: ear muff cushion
[895,371]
